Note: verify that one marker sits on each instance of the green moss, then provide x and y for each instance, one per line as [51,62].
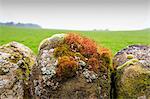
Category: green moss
[62,50]
[104,84]
[24,68]
[80,56]
[19,73]
[133,82]
[23,73]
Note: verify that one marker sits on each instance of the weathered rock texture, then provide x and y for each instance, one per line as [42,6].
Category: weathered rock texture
[71,67]
[16,61]
[132,77]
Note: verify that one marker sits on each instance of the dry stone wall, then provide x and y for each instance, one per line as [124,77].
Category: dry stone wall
[70,66]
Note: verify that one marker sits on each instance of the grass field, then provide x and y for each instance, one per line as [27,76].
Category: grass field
[115,40]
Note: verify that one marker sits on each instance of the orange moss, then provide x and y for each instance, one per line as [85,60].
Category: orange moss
[95,55]
[67,67]
[73,38]
[93,64]
[85,49]
[105,56]
[84,45]
[89,47]
[104,51]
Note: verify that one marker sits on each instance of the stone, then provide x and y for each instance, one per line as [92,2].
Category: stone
[16,61]
[61,71]
[132,78]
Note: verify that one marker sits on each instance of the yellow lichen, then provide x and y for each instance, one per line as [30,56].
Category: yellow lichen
[132,61]
[130,56]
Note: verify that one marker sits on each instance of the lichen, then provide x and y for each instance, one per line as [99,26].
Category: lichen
[52,42]
[16,61]
[130,62]
[130,56]
[89,75]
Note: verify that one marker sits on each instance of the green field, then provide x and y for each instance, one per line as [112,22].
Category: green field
[115,40]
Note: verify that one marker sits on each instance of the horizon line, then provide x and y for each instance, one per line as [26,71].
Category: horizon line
[74,29]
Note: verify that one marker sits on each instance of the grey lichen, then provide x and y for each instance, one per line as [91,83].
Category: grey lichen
[52,41]
[89,75]
[82,63]
[16,61]
[48,71]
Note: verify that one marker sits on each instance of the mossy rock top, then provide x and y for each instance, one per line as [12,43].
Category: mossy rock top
[18,51]
[52,41]
[132,77]
[140,52]
[16,61]
[71,66]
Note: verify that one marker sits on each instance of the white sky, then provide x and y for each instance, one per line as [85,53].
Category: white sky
[78,14]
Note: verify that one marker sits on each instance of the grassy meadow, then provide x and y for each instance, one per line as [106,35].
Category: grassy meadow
[115,40]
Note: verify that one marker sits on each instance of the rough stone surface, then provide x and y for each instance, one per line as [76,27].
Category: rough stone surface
[81,84]
[132,79]
[16,61]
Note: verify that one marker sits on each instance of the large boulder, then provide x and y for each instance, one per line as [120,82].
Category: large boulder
[16,61]
[69,66]
[132,79]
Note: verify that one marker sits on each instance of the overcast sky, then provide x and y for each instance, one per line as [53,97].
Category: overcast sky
[78,14]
